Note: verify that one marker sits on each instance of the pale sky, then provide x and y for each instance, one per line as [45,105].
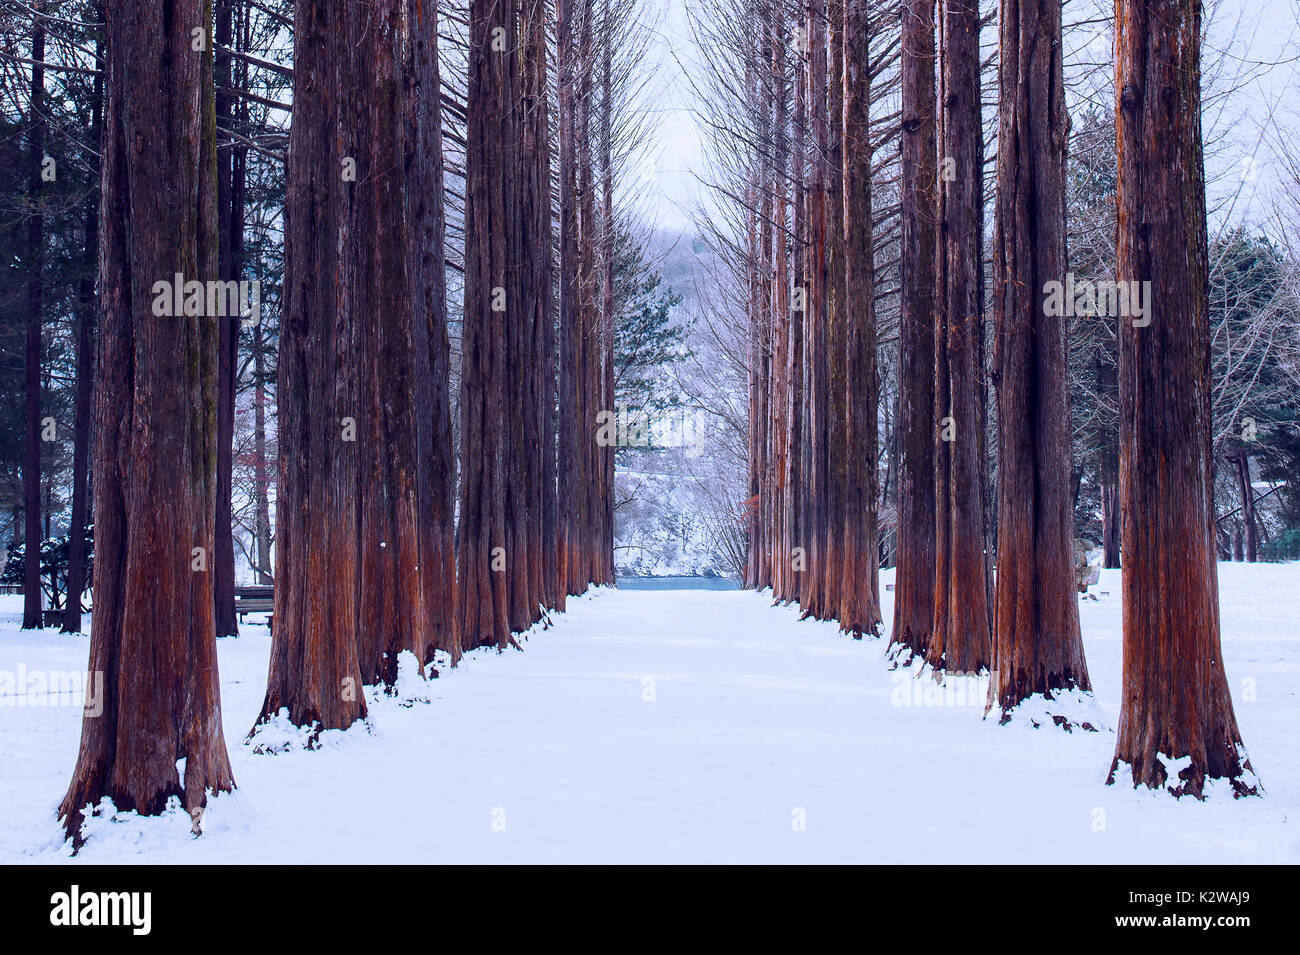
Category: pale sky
[1238,164]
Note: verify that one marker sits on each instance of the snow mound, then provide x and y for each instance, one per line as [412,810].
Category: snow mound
[280,734]
[411,686]
[111,833]
[1069,709]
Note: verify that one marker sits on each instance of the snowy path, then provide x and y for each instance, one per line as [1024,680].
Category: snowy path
[693,726]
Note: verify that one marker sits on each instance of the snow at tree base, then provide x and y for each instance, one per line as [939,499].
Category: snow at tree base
[692,726]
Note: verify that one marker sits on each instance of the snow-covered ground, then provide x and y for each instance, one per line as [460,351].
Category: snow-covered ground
[690,726]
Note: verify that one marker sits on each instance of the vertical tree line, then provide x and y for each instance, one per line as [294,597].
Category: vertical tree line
[371,561]
[585,481]
[809,256]
[813,400]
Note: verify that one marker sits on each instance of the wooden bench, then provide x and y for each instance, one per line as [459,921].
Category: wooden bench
[255,599]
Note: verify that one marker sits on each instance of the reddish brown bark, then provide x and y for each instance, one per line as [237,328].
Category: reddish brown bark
[765,92]
[538,293]
[536,286]
[859,603]
[810,318]
[779,267]
[431,395]
[960,641]
[585,498]
[1037,648]
[155,447]
[519,316]
[836,343]
[755,309]
[492,214]
[1176,701]
[815,364]
[589,303]
[314,673]
[571,426]
[604,541]
[796,554]
[914,589]
[406,582]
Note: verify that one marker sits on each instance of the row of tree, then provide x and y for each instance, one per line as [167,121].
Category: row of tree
[1254,270]
[52,113]
[379,548]
[812,376]
[813,402]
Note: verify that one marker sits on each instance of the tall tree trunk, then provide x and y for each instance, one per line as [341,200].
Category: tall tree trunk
[231,239]
[1250,548]
[961,641]
[1110,522]
[571,473]
[492,212]
[859,610]
[435,465]
[155,492]
[1037,648]
[765,91]
[87,306]
[261,472]
[605,540]
[816,365]
[406,583]
[836,344]
[518,332]
[590,363]
[314,673]
[1109,468]
[753,356]
[1176,701]
[538,292]
[35,306]
[779,269]
[914,588]
[796,554]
